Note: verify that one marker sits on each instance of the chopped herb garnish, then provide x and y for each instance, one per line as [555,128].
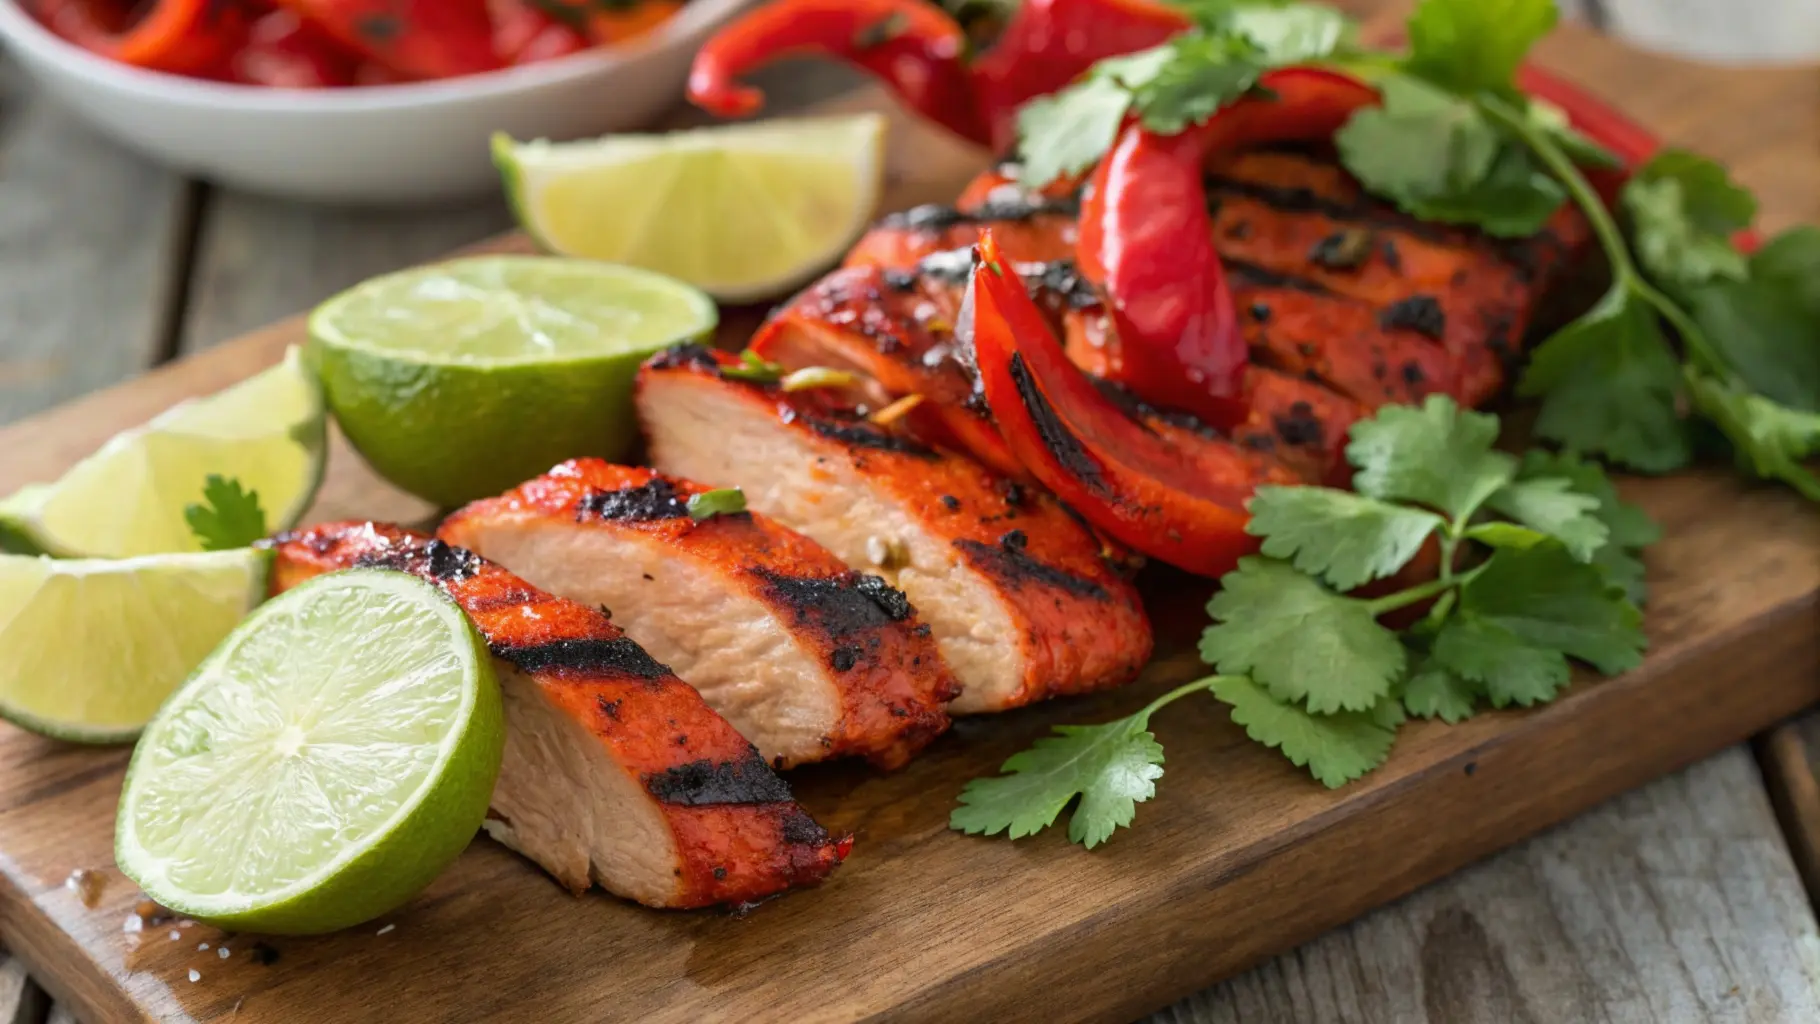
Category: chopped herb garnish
[228,517]
[725,501]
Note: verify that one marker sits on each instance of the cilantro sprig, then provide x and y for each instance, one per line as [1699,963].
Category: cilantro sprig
[228,516]
[1535,566]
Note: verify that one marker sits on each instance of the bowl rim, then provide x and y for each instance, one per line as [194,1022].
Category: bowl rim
[24,31]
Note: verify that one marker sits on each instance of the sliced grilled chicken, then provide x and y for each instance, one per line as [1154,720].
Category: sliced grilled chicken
[808,659]
[615,773]
[1021,602]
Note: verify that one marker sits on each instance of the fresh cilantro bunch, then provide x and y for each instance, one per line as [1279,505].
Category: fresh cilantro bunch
[1535,565]
[228,516]
[1174,85]
[1688,324]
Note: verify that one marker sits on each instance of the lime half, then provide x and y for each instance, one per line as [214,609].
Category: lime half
[89,649]
[461,379]
[128,498]
[742,211]
[322,766]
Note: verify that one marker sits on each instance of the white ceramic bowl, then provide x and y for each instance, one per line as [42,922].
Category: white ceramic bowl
[417,143]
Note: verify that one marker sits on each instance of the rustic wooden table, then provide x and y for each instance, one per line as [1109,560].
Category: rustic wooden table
[1682,901]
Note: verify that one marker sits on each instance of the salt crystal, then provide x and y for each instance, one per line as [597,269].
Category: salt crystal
[175,935]
[387,928]
[202,947]
[195,975]
[222,952]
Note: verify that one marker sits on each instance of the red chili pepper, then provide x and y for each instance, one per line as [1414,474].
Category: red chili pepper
[1049,43]
[286,52]
[911,45]
[185,37]
[418,39]
[1137,488]
[1146,237]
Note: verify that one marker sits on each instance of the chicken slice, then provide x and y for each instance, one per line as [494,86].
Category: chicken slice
[808,659]
[615,772]
[1021,602]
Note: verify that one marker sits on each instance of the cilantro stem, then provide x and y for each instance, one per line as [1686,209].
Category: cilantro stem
[1414,595]
[1141,718]
[1625,274]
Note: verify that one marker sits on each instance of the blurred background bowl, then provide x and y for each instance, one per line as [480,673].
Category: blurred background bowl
[385,144]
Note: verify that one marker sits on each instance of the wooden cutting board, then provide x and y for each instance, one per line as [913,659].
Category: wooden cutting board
[1239,857]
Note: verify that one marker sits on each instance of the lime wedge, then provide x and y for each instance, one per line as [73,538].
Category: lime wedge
[128,498]
[461,379]
[741,211]
[89,649]
[331,757]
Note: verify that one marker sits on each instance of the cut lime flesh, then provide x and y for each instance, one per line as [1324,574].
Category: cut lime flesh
[741,211]
[331,757]
[89,649]
[459,380]
[128,498]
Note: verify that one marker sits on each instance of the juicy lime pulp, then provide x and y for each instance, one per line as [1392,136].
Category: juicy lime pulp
[459,380]
[331,757]
[742,211]
[128,498]
[89,649]
[506,310]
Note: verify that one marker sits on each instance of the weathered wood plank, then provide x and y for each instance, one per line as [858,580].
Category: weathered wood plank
[90,251]
[21,1001]
[259,259]
[1677,902]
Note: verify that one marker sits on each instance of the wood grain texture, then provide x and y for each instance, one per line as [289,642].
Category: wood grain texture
[89,239]
[1240,857]
[1672,903]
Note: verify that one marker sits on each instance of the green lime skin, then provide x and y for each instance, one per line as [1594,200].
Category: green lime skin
[404,861]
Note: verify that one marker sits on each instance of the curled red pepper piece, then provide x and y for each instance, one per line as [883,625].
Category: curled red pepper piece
[911,45]
[185,37]
[417,39]
[1049,43]
[524,34]
[1128,482]
[1147,239]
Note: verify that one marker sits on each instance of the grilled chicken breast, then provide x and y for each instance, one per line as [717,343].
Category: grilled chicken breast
[808,659]
[1021,602]
[615,773]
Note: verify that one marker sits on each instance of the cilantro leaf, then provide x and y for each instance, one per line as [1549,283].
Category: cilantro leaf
[1552,506]
[1291,34]
[1763,331]
[1335,749]
[1436,455]
[1627,527]
[1470,46]
[1508,668]
[1685,209]
[1584,151]
[1203,74]
[1067,132]
[1791,260]
[1771,439]
[1299,640]
[1345,538]
[1434,691]
[725,501]
[229,516]
[1506,535]
[1546,599]
[1515,198]
[1609,383]
[1111,767]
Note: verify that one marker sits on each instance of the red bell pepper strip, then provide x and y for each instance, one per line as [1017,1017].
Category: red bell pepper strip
[185,37]
[418,39]
[1146,237]
[1049,43]
[286,52]
[1126,481]
[525,34]
[911,45]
